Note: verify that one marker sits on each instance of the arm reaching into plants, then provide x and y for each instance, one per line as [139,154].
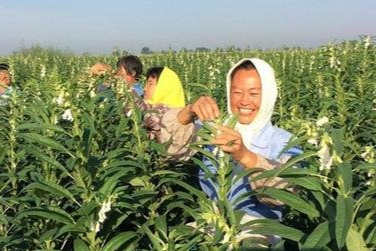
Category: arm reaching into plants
[178,126]
[205,108]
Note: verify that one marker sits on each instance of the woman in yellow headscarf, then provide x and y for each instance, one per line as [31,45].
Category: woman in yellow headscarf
[163,91]
[163,87]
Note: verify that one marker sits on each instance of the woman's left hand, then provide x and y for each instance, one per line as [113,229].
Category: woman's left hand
[230,141]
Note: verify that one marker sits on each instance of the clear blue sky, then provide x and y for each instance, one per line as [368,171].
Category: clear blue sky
[100,26]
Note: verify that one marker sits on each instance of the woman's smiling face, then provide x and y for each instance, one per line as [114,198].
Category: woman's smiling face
[245,95]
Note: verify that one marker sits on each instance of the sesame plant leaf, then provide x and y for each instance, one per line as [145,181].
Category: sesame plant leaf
[355,241]
[40,126]
[111,183]
[80,245]
[155,240]
[187,209]
[53,188]
[188,187]
[345,177]
[53,213]
[161,226]
[344,215]
[290,199]
[37,152]
[117,242]
[319,237]
[273,227]
[44,141]
[310,183]
[70,228]
[290,164]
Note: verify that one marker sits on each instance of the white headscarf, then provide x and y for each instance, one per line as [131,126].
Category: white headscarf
[268,99]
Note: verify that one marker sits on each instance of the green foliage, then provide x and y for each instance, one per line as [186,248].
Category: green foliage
[76,173]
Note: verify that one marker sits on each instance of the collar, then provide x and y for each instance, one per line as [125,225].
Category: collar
[264,137]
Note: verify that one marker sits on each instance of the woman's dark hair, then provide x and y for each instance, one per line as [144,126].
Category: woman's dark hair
[246,65]
[154,72]
[4,67]
[132,65]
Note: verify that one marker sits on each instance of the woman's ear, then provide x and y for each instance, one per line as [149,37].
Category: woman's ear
[133,74]
[2,77]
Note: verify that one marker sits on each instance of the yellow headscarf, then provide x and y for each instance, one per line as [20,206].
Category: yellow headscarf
[169,90]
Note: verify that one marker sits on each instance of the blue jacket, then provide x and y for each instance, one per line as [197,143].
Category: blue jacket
[269,143]
[137,88]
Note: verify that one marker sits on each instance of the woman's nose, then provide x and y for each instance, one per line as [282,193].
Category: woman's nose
[245,99]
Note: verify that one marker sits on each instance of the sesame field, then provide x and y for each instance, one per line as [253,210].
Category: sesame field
[77,174]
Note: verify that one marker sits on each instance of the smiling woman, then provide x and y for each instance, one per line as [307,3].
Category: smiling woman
[253,143]
[245,98]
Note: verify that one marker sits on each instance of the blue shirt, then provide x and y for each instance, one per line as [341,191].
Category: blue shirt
[137,88]
[269,143]
[6,95]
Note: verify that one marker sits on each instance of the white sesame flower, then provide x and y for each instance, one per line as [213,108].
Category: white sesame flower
[364,155]
[68,115]
[326,160]
[55,120]
[332,62]
[215,151]
[129,113]
[218,152]
[226,239]
[221,154]
[60,100]
[367,41]
[106,207]
[313,141]
[43,71]
[95,227]
[369,155]
[324,120]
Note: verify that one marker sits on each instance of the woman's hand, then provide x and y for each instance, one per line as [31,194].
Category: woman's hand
[230,141]
[205,108]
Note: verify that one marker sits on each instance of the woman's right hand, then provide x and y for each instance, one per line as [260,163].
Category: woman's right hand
[205,108]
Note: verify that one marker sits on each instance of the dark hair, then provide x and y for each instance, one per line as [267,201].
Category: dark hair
[154,72]
[246,65]
[132,65]
[4,67]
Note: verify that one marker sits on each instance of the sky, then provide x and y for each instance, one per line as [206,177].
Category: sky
[98,27]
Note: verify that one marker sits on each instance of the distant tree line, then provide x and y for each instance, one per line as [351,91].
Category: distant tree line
[146,50]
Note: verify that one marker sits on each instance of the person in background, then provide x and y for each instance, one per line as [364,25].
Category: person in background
[99,70]
[5,80]
[163,91]
[163,87]
[5,84]
[130,70]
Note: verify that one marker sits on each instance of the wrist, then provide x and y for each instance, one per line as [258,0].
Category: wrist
[186,115]
[248,159]
[190,111]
